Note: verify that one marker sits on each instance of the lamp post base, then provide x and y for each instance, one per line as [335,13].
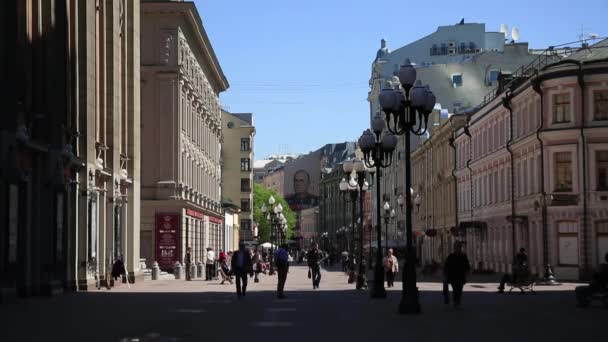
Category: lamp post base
[549,278]
[361,282]
[378,291]
[409,304]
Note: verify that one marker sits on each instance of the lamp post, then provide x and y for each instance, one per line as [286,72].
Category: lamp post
[357,187]
[378,153]
[407,109]
[274,215]
[389,215]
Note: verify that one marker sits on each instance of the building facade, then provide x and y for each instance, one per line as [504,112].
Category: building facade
[433,182]
[182,135]
[69,143]
[237,172]
[531,169]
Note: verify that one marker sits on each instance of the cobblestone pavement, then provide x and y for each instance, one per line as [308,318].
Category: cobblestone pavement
[171,310]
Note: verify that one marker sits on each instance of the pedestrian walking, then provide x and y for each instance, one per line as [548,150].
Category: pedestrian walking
[391,265]
[188,263]
[241,267]
[209,264]
[257,266]
[344,262]
[455,269]
[314,259]
[282,262]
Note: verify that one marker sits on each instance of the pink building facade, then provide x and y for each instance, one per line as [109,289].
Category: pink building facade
[532,170]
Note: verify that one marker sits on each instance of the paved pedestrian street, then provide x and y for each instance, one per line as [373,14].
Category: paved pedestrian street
[171,310]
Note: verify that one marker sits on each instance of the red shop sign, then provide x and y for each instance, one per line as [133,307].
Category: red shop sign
[167,240]
[194,214]
[215,220]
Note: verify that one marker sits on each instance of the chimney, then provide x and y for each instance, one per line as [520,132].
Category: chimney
[383,43]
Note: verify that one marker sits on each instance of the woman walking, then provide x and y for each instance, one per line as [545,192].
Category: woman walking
[391,265]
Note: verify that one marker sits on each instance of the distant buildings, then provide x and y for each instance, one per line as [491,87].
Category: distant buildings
[237,174]
[298,181]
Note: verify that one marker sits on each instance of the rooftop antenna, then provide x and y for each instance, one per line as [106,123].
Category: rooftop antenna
[504,29]
[515,34]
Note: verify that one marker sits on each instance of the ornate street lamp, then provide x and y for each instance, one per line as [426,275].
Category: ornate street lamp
[407,109]
[389,215]
[378,153]
[357,187]
[274,215]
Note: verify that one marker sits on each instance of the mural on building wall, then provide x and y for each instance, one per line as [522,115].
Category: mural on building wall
[302,181]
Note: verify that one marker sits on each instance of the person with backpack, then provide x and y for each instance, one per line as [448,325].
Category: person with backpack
[314,258]
[281,258]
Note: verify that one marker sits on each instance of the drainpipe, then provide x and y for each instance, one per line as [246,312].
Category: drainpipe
[506,102]
[466,131]
[548,278]
[581,83]
[455,182]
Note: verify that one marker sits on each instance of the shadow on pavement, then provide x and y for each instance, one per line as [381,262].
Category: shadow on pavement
[318,315]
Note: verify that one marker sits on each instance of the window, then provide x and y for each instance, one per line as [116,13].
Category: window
[561,108]
[563,171]
[245,164]
[245,145]
[567,243]
[457,80]
[245,205]
[600,104]
[230,124]
[245,224]
[601,158]
[245,185]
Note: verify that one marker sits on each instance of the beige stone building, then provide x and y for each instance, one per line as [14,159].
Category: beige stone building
[181,135]
[237,171]
[69,183]
[433,180]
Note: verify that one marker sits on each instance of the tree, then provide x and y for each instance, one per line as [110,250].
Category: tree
[261,194]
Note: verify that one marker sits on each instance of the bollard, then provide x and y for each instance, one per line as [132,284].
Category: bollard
[192,271]
[199,269]
[155,271]
[177,270]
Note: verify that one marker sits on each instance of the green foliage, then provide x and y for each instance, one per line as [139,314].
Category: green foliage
[261,195]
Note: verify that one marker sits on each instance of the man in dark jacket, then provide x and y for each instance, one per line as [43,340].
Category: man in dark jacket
[241,267]
[456,267]
[188,263]
[314,262]
[598,283]
[281,258]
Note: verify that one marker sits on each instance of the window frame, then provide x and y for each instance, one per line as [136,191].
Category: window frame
[556,164]
[247,162]
[595,106]
[245,144]
[555,105]
[454,84]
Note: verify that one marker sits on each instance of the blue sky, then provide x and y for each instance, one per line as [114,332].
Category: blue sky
[302,67]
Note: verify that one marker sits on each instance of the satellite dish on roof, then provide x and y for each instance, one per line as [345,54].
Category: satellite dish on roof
[515,33]
[504,29]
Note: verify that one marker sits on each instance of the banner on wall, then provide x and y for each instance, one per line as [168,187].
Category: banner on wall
[167,239]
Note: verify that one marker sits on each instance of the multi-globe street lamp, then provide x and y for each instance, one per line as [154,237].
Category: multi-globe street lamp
[357,185]
[349,192]
[389,216]
[377,148]
[278,224]
[407,108]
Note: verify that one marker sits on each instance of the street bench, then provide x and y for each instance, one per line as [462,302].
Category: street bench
[523,285]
